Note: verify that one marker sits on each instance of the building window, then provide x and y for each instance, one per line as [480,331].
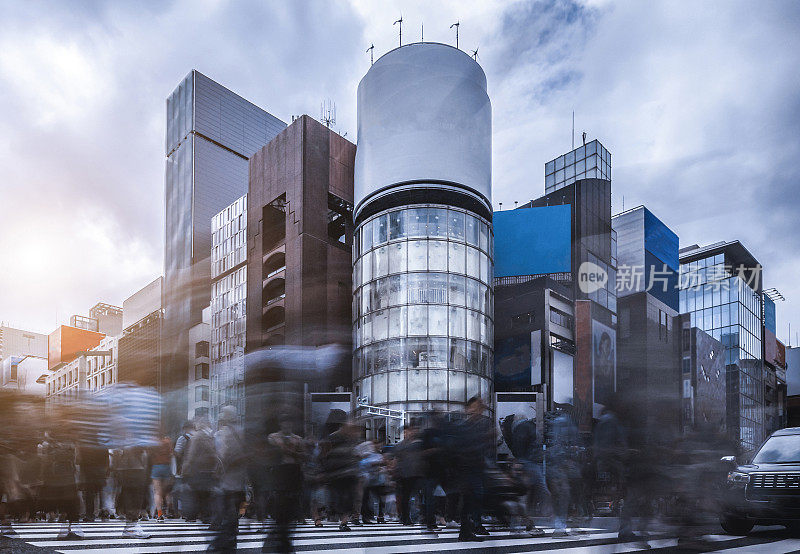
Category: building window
[663,326]
[201,371]
[201,393]
[201,349]
[558,317]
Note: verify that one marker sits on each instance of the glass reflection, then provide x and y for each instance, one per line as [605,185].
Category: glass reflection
[423,325]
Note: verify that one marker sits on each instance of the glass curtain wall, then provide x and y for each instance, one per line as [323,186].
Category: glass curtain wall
[423,308]
[228,306]
[727,308]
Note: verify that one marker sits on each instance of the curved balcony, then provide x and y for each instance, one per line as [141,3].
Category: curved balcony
[273,265]
[273,318]
[274,291]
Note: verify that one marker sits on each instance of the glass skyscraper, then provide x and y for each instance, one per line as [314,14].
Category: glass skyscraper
[211,133]
[228,306]
[721,290]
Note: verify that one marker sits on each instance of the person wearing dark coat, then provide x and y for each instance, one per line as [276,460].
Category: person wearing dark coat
[473,443]
[93,464]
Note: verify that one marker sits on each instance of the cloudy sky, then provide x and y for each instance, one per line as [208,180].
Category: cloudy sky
[699,104]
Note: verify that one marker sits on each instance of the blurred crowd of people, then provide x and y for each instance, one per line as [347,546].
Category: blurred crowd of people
[443,473]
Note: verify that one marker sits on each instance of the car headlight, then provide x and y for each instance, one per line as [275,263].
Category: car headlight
[738,479]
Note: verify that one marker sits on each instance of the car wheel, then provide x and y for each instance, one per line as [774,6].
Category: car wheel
[736,525]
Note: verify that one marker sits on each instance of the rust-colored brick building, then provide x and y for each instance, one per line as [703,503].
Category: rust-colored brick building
[299,236]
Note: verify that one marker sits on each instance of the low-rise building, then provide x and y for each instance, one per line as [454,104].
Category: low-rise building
[87,372]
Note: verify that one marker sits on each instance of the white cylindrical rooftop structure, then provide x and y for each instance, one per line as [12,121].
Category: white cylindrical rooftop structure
[424,120]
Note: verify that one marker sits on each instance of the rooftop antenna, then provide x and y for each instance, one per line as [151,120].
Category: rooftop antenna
[515,204]
[400,21]
[422,33]
[573,129]
[456,25]
[327,113]
[371,51]
[501,206]
[475,54]
[584,138]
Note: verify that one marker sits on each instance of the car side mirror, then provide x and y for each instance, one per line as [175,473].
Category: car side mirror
[728,460]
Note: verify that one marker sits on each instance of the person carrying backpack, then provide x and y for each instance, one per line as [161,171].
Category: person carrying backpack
[199,470]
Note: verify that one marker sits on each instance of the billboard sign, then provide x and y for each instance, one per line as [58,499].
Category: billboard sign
[769,314]
[532,241]
[604,361]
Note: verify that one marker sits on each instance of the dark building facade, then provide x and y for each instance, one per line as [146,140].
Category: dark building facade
[139,359]
[592,250]
[534,339]
[648,363]
[703,379]
[211,133]
[299,239]
[648,344]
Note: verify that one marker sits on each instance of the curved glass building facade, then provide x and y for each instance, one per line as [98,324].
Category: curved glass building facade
[422,307]
[423,247]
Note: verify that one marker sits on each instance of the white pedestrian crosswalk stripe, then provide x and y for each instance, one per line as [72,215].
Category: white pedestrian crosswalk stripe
[390,538]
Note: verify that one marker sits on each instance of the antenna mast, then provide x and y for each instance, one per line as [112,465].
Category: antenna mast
[456,25]
[327,113]
[422,33]
[371,51]
[573,129]
[400,21]
[475,54]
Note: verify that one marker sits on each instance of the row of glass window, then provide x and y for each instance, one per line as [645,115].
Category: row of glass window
[585,151]
[422,353]
[714,284]
[706,296]
[718,259]
[423,255]
[420,385]
[709,319]
[422,320]
[420,222]
[574,173]
[422,288]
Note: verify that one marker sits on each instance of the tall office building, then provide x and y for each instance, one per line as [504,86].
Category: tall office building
[591,254]
[534,303]
[422,253]
[211,134]
[648,336]
[299,272]
[721,286]
[228,306]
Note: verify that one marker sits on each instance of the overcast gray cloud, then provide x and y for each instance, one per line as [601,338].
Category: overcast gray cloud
[698,103]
